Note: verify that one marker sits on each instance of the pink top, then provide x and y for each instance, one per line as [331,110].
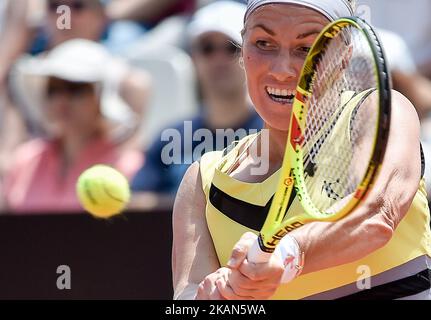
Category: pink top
[35,185]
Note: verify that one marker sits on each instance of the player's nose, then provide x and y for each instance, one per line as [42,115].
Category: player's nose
[283,68]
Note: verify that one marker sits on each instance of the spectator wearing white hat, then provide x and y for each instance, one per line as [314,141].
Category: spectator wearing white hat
[214,36]
[22,20]
[80,131]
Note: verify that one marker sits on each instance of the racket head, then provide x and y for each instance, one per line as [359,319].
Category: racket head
[339,144]
[361,57]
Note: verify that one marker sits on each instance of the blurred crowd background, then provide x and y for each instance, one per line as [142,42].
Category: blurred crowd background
[84,82]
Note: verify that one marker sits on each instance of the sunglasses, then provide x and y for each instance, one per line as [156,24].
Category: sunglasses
[74,5]
[208,49]
[70,89]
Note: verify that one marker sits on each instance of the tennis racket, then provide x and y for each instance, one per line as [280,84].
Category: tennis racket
[338,132]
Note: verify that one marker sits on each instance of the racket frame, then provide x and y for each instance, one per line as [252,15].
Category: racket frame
[292,171]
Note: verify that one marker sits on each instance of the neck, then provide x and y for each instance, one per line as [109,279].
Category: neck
[226,112]
[262,158]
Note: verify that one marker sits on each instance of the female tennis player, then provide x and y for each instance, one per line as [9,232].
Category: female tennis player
[381,250]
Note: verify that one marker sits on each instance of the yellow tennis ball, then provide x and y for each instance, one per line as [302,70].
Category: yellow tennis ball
[103,191]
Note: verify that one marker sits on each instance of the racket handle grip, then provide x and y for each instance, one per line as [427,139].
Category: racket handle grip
[257,255]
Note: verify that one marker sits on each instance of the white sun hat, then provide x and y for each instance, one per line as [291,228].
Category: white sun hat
[76,60]
[221,16]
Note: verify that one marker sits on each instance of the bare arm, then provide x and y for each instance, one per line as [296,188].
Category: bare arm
[14,37]
[135,90]
[372,224]
[193,253]
[195,266]
[143,10]
[134,87]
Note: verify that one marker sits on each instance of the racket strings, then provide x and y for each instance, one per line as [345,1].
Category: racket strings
[340,127]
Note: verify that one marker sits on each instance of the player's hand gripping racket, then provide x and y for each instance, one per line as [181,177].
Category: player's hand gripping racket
[338,132]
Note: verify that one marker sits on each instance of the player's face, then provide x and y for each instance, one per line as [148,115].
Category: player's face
[277,39]
[217,65]
[71,107]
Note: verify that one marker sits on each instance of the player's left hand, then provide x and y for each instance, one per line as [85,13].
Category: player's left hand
[246,280]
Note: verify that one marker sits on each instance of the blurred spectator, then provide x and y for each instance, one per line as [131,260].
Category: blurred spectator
[13,22]
[405,75]
[124,94]
[88,21]
[13,34]
[21,19]
[214,36]
[3,5]
[44,171]
[395,15]
[149,12]
[411,20]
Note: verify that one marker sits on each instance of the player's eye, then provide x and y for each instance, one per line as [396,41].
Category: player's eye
[265,45]
[305,49]
[302,51]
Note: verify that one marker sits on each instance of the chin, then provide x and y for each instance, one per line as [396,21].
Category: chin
[275,116]
[279,125]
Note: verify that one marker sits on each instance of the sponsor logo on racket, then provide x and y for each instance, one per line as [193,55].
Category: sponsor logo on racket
[297,138]
[288,181]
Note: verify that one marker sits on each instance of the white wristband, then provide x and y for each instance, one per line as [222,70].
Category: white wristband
[293,259]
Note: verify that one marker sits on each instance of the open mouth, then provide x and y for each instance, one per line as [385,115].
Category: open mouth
[283,96]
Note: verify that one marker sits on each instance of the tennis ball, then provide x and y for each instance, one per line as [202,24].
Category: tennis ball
[103,191]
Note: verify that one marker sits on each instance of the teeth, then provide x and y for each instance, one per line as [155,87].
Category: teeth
[282,100]
[288,93]
[283,96]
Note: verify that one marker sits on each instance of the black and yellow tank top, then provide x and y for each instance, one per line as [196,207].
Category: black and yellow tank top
[399,269]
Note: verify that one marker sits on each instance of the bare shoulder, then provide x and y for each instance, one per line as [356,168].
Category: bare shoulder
[404,134]
[404,111]
[401,106]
